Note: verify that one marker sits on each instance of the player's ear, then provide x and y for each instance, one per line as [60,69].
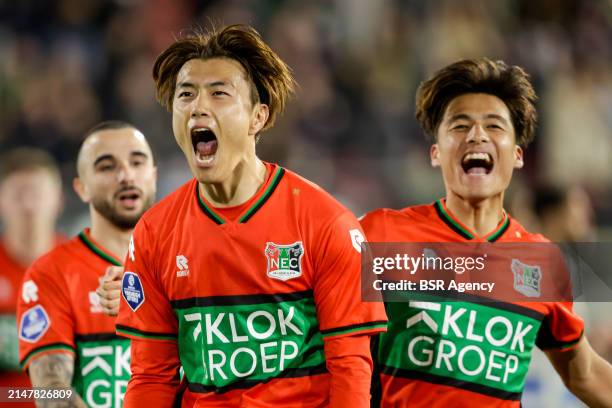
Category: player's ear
[434,155]
[81,189]
[261,112]
[518,157]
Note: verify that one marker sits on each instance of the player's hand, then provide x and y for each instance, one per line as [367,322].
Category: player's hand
[110,289]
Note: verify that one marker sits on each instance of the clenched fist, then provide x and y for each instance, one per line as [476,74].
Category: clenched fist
[110,290]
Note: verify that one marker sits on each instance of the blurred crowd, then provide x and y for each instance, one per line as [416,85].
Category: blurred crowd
[67,64]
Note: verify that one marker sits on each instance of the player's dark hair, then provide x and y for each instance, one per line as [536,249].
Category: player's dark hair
[24,159]
[270,78]
[509,83]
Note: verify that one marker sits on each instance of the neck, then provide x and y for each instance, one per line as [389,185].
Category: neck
[114,239]
[25,244]
[243,183]
[480,216]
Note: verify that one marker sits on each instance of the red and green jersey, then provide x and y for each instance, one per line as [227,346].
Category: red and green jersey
[59,312]
[11,275]
[448,353]
[250,293]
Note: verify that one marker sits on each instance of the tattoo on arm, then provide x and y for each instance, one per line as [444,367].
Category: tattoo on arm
[54,371]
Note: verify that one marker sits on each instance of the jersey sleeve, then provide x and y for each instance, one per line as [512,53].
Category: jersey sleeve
[144,310]
[562,328]
[337,282]
[44,313]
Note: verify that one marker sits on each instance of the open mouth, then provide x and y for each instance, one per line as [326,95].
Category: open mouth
[205,144]
[129,196]
[477,163]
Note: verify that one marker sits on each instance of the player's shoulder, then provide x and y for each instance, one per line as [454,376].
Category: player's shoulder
[58,258]
[519,233]
[173,205]
[411,214]
[311,196]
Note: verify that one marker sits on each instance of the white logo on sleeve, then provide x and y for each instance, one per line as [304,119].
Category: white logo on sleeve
[132,249]
[182,265]
[356,239]
[29,292]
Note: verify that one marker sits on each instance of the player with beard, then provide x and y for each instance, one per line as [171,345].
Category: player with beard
[480,115]
[65,340]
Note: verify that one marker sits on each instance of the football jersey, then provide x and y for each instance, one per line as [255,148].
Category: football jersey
[59,311]
[447,353]
[248,299]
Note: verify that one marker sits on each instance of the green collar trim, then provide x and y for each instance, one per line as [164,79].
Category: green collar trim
[97,250]
[252,210]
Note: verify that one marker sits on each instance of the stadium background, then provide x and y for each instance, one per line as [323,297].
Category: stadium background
[68,64]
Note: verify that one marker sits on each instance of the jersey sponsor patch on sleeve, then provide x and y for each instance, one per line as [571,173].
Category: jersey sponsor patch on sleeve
[34,324]
[132,291]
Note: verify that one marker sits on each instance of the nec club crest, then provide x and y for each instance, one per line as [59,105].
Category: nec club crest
[527,278]
[284,261]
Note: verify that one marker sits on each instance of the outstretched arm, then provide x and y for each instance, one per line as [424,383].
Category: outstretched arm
[584,373]
[54,370]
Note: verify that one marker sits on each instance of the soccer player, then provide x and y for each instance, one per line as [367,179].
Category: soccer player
[64,338]
[481,115]
[248,275]
[30,203]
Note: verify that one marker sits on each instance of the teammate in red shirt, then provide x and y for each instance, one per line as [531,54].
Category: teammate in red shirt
[30,203]
[481,115]
[64,337]
[248,275]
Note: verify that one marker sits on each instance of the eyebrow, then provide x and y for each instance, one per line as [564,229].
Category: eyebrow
[207,85]
[107,156]
[463,116]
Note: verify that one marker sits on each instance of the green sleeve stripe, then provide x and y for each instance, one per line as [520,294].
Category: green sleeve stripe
[355,328]
[571,343]
[43,349]
[130,332]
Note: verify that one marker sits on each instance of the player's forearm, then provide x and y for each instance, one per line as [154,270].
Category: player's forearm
[350,365]
[54,370]
[594,387]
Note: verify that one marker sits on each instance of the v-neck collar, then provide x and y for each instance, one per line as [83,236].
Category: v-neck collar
[249,212]
[97,248]
[453,223]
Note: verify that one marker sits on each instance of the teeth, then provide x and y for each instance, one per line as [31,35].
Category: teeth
[477,156]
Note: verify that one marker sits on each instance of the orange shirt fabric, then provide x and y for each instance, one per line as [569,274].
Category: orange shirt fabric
[249,303]
[60,312]
[444,360]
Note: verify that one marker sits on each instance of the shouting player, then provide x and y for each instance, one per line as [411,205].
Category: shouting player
[248,275]
[481,115]
[64,338]
[30,203]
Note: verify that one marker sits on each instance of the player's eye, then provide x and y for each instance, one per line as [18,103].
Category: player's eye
[460,127]
[219,93]
[494,126]
[106,167]
[185,94]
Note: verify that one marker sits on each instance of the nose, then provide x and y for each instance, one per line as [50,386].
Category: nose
[477,134]
[126,173]
[200,107]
